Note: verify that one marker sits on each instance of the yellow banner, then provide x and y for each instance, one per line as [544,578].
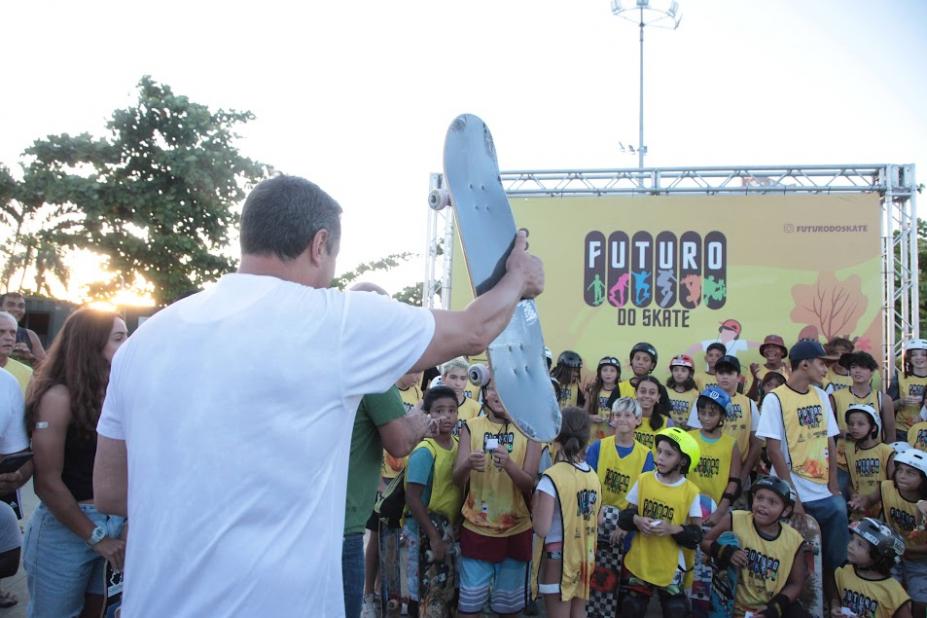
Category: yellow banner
[673,270]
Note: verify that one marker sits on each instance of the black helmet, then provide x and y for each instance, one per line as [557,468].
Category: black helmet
[645,347]
[775,485]
[887,546]
[569,358]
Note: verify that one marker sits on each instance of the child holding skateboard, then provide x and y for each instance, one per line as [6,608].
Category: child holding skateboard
[898,499]
[681,388]
[718,473]
[713,353]
[664,510]
[655,406]
[865,586]
[454,376]
[565,512]
[568,373]
[433,501]
[498,465]
[868,459]
[643,359]
[764,550]
[907,390]
[602,394]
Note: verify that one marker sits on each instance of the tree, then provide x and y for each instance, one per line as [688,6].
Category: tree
[832,306]
[154,197]
[342,282]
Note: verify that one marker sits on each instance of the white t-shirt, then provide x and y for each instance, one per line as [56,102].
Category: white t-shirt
[13,436]
[546,485]
[771,426]
[732,347]
[236,406]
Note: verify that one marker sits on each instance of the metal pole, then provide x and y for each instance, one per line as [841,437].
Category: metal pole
[640,141]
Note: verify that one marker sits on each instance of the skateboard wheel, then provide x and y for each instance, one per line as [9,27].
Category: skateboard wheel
[479,374]
[439,199]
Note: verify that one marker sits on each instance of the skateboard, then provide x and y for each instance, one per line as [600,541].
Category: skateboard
[701,577]
[724,583]
[390,573]
[112,592]
[438,580]
[487,234]
[603,586]
[812,595]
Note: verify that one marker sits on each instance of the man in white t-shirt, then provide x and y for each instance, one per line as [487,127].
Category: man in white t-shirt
[13,439]
[799,426]
[227,421]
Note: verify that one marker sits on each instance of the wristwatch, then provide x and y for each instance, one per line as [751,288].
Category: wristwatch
[96,536]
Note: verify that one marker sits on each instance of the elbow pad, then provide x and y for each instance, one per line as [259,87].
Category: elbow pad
[690,536]
[626,519]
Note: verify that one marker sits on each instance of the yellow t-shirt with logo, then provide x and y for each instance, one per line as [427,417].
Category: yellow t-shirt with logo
[626,389]
[603,430]
[655,559]
[569,395]
[868,468]
[917,435]
[618,474]
[805,431]
[869,598]
[769,562]
[843,399]
[494,506]
[579,496]
[681,405]
[465,411]
[910,386]
[20,371]
[645,435]
[714,465]
[739,425]
[901,514]
[705,379]
[392,466]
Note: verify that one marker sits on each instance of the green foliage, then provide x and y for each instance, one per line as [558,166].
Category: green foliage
[155,196]
[411,295]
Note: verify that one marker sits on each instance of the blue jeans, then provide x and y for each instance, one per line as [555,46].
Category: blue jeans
[352,573]
[831,515]
[60,567]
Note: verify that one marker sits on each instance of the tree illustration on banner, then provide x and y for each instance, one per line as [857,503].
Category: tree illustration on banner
[830,307]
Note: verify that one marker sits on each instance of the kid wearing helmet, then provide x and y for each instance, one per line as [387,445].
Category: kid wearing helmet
[568,373]
[868,459]
[865,585]
[602,394]
[907,389]
[643,359]
[713,353]
[664,509]
[766,551]
[718,472]
[681,388]
[898,499]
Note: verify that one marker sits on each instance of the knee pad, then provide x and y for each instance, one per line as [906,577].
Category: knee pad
[676,606]
[633,604]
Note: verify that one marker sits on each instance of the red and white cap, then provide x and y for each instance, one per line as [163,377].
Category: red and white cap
[682,360]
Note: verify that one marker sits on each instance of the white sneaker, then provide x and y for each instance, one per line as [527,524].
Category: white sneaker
[370,609]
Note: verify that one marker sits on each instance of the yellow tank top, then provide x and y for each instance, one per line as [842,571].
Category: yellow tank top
[705,379]
[569,395]
[714,465]
[603,430]
[465,411]
[445,497]
[681,405]
[917,435]
[645,435]
[626,389]
[655,559]
[579,496]
[869,598]
[740,424]
[843,399]
[494,506]
[769,562]
[868,468]
[900,514]
[911,386]
[617,475]
[835,382]
[806,432]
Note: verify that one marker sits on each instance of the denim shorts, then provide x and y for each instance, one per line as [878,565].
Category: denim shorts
[60,567]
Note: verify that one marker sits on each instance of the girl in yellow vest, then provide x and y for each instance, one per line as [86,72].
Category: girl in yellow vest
[865,586]
[568,373]
[665,513]
[681,388]
[907,390]
[602,394]
[566,510]
[498,465]
[454,376]
[718,472]
[868,459]
[898,498]
[766,551]
[655,407]
[433,501]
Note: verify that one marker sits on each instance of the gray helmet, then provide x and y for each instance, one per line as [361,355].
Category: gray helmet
[887,546]
[569,358]
[775,485]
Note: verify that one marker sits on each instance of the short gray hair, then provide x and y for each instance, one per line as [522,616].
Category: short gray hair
[628,404]
[9,316]
[455,363]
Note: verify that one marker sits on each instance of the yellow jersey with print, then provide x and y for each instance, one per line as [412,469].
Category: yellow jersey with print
[869,598]
[655,559]
[843,399]
[868,467]
[445,496]
[626,389]
[617,474]
[392,466]
[705,379]
[645,434]
[835,382]
[739,423]
[465,411]
[569,395]
[901,514]
[769,562]
[579,497]
[494,506]
[714,464]
[805,431]
[909,386]
[917,435]
[21,371]
[603,430]
[681,405]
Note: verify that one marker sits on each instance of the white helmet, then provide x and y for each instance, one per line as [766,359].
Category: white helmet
[915,344]
[866,409]
[914,458]
[900,447]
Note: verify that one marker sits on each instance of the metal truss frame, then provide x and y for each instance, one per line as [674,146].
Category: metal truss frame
[894,183]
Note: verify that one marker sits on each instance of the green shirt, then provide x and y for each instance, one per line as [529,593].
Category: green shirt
[367,456]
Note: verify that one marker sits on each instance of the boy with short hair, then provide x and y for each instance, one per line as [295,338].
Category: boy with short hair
[643,360]
[454,375]
[713,354]
[718,472]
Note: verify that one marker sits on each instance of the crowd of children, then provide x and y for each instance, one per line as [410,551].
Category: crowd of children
[480,495]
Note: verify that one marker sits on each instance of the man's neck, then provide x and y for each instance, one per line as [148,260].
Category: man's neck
[295,270]
[798,381]
[3,360]
[861,389]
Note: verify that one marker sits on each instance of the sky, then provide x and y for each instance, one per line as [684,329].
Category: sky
[357,95]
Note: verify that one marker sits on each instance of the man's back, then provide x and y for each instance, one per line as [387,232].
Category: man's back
[236,406]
